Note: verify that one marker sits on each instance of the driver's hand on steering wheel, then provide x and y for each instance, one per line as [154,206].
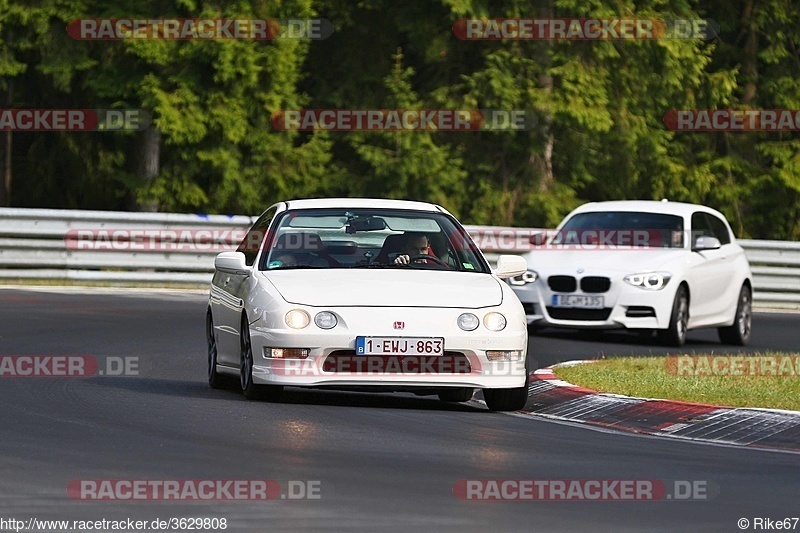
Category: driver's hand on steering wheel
[412,248]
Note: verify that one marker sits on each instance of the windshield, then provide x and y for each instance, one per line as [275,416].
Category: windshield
[622,228]
[370,238]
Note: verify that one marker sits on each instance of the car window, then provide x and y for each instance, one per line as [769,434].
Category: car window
[369,238]
[720,229]
[251,243]
[622,228]
[702,227]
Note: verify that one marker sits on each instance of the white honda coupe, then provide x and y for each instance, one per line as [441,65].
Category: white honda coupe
[362,294]
[644,265]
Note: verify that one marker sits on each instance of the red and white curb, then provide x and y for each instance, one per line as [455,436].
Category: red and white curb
[554,398]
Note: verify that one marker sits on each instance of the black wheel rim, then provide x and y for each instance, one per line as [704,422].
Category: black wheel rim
[212,346]
[247,359]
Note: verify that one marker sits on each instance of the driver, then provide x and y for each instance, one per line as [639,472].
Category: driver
[413,244]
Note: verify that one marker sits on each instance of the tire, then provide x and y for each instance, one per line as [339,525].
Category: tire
[457,395]
[675,334]
[250,390]
[738,333]
[508,399]
[215,379]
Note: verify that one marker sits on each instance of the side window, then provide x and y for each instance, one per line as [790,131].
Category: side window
[251,243]
[720,229]
[700,227]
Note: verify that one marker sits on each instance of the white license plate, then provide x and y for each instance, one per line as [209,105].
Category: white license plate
[399,346]
[578,300]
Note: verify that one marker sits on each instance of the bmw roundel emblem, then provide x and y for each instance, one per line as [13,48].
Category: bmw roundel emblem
[580,271]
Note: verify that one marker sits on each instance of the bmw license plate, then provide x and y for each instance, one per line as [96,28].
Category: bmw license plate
[399,345]
[579,301]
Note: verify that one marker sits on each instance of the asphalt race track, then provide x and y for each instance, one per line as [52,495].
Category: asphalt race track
[383,462]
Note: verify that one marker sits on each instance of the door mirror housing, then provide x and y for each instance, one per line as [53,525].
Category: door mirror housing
[232,263]
[509,266]
[705,242]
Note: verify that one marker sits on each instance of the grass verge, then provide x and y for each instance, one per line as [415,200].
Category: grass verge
[700,379]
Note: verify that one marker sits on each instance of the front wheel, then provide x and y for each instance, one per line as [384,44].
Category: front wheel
[215,379]
[250,390]
[675,334]
[738,333]
[506,399]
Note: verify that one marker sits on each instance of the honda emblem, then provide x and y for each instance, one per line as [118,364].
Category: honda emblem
[399,325]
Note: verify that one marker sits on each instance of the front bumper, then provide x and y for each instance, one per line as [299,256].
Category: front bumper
[465,363]
[625,306]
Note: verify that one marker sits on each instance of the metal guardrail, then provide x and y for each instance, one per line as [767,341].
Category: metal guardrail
[179,249]
[776,272]
[36,244]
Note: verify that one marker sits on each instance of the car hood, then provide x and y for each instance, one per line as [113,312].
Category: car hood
[621,260]
[386,288]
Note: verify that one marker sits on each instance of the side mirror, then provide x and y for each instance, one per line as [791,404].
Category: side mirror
[509,266]
[538,239]
[231,262]
[705,242]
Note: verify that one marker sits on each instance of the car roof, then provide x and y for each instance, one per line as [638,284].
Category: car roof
[647,206]
[355,203]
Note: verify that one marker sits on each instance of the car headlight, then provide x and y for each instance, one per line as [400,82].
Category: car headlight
[494,321]
[528,277]
[325,320]
[468,321]
[297,319]
[654,281]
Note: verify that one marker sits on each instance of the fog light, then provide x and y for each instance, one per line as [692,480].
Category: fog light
[325,320]
[504,355]
[467,321]
[286,353]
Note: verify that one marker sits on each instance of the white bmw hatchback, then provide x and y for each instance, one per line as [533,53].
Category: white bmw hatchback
[375,295]
[645,265]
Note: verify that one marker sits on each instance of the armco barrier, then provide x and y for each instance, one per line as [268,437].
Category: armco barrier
[34,245]
[45,244]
